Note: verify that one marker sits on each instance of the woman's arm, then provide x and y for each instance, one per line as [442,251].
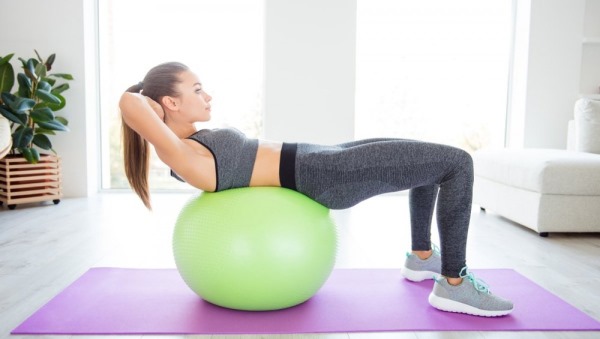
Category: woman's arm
[144,116]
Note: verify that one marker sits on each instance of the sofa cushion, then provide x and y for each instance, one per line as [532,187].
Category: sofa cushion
[5,137]
[587,125]
[547,171]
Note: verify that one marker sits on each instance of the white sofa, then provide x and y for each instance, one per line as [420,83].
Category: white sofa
[5,137]
[547,190]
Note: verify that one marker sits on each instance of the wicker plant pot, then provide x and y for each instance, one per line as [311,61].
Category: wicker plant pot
[22,182]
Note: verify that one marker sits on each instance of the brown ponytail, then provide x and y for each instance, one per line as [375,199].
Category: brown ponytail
[159,82]
[136,155]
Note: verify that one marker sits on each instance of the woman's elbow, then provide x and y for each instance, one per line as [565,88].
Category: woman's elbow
[126,104]
[125,101]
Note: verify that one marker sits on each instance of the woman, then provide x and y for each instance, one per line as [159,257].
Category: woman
[164,108]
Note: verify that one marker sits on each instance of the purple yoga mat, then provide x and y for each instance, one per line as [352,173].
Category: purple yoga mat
[157,301]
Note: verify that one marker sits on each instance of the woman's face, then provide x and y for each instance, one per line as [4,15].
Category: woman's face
[194,103]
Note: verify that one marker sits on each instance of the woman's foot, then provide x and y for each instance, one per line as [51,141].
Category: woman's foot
[470,296]
[421,265]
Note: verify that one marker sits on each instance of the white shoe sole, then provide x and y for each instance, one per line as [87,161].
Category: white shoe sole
[448,305]
[418,276]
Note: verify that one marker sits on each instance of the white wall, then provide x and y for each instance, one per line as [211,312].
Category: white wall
[590,65]
[517,97]
[310,70]
[59,27]
[548,62]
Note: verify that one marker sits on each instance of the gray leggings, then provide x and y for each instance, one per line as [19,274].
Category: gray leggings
[343,175]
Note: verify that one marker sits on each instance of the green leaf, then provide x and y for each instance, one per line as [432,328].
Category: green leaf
[40,130]
[50,61]
[7,76]
[57,107]
[60,88]
[42,141]
[30,74]
[21,105]
[30,154]
[40,70]
[53,125]
[6,59]
[47,96]
[62,76]
[24,85]
[38,56]
[7,98]
[49,80]
[29,69]
[44,86]
[22,137]
[42,115]
[62,120]
[17,118]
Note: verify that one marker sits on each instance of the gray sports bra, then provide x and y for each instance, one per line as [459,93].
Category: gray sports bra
[234,156]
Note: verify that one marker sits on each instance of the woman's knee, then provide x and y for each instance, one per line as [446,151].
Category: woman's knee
[465,159]
[463,162]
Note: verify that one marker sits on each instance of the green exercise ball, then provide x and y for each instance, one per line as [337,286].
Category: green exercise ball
[257,249]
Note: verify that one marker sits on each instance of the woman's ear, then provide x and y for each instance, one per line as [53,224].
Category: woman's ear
[170,103]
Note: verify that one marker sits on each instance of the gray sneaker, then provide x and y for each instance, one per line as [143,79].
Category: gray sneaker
[472,296]
[416,269]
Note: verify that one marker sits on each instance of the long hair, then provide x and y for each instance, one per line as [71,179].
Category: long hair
[160,81]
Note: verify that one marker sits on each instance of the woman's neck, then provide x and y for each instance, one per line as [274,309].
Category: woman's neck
[181,130]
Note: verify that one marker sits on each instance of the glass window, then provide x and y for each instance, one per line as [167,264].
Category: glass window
[220,40]
[433,70]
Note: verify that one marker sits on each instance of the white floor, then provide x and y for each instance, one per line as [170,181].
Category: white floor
[44,248]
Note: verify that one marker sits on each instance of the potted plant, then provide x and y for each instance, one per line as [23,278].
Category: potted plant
[26,175]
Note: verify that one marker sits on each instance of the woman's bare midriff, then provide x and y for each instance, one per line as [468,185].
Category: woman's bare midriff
[266,166]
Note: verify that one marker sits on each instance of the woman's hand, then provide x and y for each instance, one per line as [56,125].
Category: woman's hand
[157,108]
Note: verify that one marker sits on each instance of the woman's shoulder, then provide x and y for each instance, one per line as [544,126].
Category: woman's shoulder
[209,133]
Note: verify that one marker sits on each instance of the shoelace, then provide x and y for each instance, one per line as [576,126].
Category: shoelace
[435,249]
[479,284]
